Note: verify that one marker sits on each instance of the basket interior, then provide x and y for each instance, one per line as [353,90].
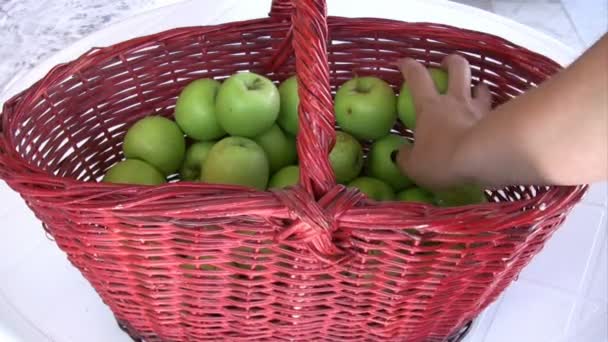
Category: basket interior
[76,129]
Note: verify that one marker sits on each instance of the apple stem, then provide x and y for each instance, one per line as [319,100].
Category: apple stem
[360,87]
[255,85]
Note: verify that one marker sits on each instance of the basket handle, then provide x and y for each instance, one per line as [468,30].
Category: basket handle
[316,135]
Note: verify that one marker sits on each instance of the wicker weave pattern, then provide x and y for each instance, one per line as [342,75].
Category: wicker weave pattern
[196,262]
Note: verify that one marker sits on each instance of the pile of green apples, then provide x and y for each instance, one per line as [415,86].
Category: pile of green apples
[242,132]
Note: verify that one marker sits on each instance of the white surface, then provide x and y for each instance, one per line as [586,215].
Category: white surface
[548,17]
[578,23]
[590,20]
[562,294]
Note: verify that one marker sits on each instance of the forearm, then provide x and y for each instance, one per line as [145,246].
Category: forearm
[555,134]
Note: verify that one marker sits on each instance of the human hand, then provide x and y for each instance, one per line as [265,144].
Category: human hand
[442,121]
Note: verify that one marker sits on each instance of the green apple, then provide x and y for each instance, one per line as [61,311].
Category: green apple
[247,104]
[380,163]
[285,177]
[366,107]
[236,161]
[405,103]
[195,110]
[416,195]
[133,171]
[288,116]
[346,157]
[460,195]
[373,188]
[195,157]
[280,148]
[157,141]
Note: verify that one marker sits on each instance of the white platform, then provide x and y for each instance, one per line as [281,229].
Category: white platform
[561,296]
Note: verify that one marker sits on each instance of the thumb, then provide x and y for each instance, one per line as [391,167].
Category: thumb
[402,158]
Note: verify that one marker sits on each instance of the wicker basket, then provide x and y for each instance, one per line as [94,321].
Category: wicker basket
[197,262]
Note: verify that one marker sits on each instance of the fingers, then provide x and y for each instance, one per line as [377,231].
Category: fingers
[403,158]
[409,166]
[459,81]
[482,98]
[419,80]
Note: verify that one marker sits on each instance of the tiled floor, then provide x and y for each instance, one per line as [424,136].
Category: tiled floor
[577,23]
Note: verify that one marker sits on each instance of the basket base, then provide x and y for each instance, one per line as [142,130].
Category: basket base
[457,337]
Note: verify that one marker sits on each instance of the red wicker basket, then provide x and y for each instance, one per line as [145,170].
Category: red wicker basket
[197,262]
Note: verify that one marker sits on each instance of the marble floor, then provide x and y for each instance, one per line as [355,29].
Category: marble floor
[32,30]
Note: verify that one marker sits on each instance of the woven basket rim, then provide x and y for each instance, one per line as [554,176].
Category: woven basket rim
[558,195]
